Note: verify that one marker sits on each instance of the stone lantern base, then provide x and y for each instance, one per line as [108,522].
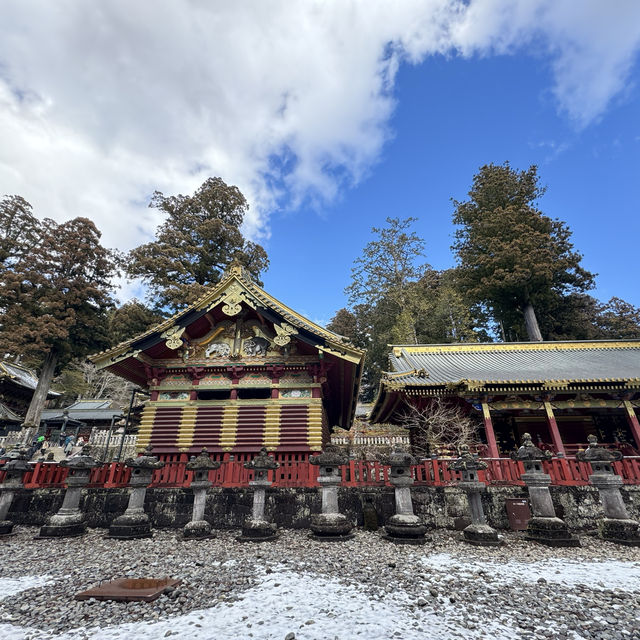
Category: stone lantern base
[620,531]
[331,527]
[481,535]
[129,527]
[64,526]
[257,531]
[197,530]
[405,529]
[550,531]
[6,528]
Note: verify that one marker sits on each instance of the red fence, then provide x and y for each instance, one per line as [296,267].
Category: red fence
[296,471]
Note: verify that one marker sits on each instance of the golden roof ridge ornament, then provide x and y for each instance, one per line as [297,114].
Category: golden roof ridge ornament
[236,268]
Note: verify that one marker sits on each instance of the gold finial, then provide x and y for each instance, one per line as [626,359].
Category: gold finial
[237,268]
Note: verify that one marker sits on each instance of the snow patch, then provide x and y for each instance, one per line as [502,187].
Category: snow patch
[606,574]
[313,607]
[11,586]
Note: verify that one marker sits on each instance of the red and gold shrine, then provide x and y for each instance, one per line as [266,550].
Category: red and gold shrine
[239,370]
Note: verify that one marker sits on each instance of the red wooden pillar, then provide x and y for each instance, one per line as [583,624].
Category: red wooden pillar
[489,432]
[632,419]
[553,428]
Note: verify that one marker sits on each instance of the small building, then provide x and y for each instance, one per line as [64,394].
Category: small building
[83,416]
[238,370]
[367,442]
[17,385]
[560,392]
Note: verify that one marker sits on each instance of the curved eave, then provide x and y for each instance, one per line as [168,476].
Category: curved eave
[468,347]
[391,393]
[399,384]
[308,331]
[385,403]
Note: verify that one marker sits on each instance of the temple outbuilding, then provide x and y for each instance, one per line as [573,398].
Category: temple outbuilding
[559,392]
[236,371]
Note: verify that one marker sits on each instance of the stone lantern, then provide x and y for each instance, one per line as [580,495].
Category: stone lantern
[199,527]
[478,532]
[134,522]
[330,524]
[69,521]
[16,467]
[545,527]
[616,525]
[257,528]
[404,527]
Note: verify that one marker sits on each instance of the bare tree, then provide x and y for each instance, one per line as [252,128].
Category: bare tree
[81,379]
[439,427]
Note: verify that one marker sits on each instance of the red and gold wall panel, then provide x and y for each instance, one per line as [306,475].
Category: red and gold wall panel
[235,427]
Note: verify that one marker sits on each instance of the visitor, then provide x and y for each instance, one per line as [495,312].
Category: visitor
[68,445]
[62,438]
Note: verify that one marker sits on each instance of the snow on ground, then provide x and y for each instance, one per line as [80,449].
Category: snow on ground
[607,574]
[11,586]
[316,607]
[313,607]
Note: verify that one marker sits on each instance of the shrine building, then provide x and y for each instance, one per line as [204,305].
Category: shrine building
[238,370]
[559,392]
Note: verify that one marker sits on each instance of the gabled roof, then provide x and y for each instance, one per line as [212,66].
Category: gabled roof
[228,297]
[429,365]
[84,405]
[235,288]
[22,376]
[477,367]
[7,415]
[102,415]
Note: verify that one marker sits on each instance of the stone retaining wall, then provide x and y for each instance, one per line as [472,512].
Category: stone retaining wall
[292,508]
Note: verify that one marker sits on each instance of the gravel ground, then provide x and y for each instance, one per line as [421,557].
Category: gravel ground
[445,589]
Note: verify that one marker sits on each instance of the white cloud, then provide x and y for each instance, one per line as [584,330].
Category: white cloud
[102,103]
[591,44]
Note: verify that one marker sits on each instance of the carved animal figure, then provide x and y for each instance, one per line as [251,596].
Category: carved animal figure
[220,349]
[256,346]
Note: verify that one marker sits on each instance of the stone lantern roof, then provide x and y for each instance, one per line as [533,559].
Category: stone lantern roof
[467,461]
[202,462]
[529,451]
[330,457]
[79,463]
[145,461]
[263,461]
[596,453]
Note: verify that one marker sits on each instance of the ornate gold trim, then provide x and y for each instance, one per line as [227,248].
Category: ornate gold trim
[234,285]
[515,346]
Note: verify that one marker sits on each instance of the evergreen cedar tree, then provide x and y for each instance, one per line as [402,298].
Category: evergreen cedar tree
[130,319]
[512,258]
[19,230]
[396,297]
[194,245]
[518,274]
[56,292]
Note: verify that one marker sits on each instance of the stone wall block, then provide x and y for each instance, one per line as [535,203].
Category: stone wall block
[227,508]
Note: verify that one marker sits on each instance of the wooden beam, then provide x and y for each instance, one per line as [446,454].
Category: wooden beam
[489,432]
[632,419]
[553,428]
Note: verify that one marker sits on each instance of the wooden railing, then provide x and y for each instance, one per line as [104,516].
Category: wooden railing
[296,471]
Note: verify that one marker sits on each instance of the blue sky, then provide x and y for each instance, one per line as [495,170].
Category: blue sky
[329,116]
[451,117]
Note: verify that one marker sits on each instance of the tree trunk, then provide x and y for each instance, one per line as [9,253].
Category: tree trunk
[531,323]
[32,419]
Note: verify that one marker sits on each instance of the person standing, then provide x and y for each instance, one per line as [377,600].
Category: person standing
[68,445]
